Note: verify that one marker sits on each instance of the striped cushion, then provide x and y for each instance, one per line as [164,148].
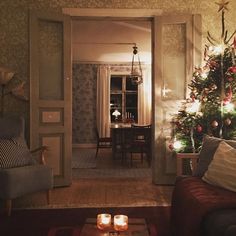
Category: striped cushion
[13,153]
[222,170]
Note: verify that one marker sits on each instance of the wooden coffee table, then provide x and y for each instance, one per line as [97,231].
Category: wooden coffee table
[137,227]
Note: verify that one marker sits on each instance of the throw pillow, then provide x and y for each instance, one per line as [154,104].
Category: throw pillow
[14,153]
[209,146]
[222,170]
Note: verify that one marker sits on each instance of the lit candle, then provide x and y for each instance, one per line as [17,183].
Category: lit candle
[103,221]
[120,222]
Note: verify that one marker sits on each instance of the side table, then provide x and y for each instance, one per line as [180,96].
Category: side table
[137,227]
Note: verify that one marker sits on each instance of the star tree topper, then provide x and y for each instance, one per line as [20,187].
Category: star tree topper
[222,5]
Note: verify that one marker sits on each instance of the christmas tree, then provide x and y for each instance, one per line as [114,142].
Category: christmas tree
[211,106]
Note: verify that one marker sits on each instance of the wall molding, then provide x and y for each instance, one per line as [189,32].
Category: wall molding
[112,12]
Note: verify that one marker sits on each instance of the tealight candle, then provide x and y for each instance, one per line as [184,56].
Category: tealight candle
[120,222]
[103,221]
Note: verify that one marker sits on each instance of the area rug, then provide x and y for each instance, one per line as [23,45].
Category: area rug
[99,193]
[42,222]
[112,173]
[83,158]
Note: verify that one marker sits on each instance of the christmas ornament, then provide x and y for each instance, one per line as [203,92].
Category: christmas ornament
[228,122]
[232,69]
[230,79]
[222,5]
[199,128]
[228,97]
[171,146]
[214,124]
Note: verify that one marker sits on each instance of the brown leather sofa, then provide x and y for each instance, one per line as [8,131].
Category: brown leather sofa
[199,208]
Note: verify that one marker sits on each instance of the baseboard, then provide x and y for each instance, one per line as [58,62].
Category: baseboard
[84,145]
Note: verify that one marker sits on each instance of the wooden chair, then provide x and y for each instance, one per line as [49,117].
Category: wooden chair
[102,142]
[140,142]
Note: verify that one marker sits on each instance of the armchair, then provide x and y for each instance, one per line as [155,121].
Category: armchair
[20,172]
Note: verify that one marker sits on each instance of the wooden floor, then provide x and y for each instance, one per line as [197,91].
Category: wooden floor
[110,184]
[117,177]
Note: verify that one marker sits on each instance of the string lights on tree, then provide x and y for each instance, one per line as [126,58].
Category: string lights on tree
[211,106]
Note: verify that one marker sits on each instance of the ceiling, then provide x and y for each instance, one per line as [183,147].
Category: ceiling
[110,41]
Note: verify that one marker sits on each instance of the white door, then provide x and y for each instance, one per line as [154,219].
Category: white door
[50,91]
[176,49]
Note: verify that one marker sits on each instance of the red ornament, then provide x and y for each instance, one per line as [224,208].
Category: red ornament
[171,146]
[230,79]
[229,95]
[232,69]
[199,128]
[214,123]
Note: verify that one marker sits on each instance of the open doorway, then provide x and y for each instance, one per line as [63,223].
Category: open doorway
[107,44]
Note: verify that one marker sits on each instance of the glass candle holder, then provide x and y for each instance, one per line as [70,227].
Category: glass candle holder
[103,221]
[120,222]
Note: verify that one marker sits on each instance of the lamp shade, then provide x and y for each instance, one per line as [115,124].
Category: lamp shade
[116,113]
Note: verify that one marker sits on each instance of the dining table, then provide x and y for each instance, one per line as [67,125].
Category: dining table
[121,134]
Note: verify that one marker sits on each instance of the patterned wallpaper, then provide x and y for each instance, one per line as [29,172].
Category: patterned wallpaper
[14,25]
[84,103]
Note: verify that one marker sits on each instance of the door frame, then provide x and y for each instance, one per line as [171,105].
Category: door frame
[149,15]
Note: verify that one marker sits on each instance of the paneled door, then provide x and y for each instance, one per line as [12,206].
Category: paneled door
[50,91]
[176,50]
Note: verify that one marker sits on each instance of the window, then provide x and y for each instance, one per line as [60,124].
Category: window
[124,98]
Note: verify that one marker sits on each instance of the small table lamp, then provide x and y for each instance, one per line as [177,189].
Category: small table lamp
[116,113]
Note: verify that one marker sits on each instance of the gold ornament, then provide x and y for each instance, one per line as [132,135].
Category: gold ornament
[214,123]
[228,122]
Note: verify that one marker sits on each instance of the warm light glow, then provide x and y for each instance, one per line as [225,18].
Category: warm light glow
[120,222]
[204,74]
[116,113]
[217,50]
[177,145]
[229,107]
[194,106]
[103,221]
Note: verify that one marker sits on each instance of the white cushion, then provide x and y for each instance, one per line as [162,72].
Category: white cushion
[222,169]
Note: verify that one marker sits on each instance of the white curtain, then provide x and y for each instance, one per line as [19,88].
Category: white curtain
[145,97]
[103,98]
[103,101]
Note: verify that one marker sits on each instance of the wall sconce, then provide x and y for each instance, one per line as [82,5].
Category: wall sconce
[136,69]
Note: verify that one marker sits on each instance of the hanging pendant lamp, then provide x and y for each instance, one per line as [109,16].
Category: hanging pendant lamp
[136,69]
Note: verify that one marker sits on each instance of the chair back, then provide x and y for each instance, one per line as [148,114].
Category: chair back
[12,127]
[141,133]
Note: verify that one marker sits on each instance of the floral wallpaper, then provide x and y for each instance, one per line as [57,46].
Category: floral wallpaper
[85,98]
[14,25]
[84,103]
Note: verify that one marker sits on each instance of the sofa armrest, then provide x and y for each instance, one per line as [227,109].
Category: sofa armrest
[183,156]
[41,151]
